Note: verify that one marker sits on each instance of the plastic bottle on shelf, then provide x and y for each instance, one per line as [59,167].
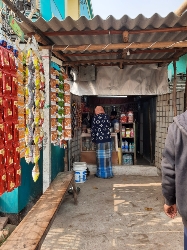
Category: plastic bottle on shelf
[132,132]
[123,133]
[130,147]
[130,160]
[126,146]
[130,117]
[125,159]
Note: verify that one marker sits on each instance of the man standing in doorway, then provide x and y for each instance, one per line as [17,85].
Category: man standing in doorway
[174,171]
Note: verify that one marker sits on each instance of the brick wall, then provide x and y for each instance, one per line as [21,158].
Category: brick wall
[75,142]
[164,116]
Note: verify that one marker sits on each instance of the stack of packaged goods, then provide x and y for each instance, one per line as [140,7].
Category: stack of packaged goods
[67,111]
[35,100]
[10,171]
[54,84]
[57,106]
[21,63]
[60,109]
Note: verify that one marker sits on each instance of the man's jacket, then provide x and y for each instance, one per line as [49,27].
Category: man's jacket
[174,166]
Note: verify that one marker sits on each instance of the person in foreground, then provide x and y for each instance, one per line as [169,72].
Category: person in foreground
[101,136]
[174,171]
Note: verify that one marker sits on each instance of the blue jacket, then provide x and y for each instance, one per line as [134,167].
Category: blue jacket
[100,131]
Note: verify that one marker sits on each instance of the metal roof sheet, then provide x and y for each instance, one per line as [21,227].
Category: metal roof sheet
[124,23]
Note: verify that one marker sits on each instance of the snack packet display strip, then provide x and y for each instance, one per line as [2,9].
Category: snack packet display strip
[35,100]
[10,170]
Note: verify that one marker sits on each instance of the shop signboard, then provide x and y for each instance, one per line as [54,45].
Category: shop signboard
[14,25]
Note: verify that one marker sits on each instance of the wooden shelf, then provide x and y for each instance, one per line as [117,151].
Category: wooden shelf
[127,137]
[130,123]
[88,135]
[123,152]
[88,151]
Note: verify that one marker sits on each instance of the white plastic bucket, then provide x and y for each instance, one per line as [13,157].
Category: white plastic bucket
[80,171]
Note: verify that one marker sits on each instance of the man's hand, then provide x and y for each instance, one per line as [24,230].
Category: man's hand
[170,211]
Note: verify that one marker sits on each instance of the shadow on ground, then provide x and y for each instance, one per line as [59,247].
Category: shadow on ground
[122,213]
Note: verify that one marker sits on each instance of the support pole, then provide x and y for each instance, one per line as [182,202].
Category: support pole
[174,90]
[46,56]
[181,9]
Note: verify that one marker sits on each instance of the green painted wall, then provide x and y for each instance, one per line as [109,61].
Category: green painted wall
[57,161]
[16,200]
[181,66]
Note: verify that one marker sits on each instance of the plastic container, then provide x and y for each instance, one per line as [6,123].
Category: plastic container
[116,127]
[130,117]
[126,146]
[130,147]
[123,132]
[80,171]
[127,132]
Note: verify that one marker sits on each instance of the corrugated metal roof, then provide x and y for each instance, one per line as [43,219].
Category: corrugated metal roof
[124,23]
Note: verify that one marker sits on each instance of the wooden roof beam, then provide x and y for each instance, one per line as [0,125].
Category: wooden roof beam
[117,46]
[110,32]
[149,51]
[110,61]
[125,36]
[180,53]
[124,64]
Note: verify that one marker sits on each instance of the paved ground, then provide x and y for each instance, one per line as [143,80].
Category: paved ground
[121,213]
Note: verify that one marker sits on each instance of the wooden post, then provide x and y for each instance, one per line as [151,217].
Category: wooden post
[181,8]
[125,36]
[174,90]
[46,56]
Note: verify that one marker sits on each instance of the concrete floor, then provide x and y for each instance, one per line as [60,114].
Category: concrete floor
[122,213]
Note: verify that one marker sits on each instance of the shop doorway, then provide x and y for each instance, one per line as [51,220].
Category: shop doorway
[144,115]
[146,131]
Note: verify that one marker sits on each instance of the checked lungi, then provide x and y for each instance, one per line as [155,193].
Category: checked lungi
[104,160]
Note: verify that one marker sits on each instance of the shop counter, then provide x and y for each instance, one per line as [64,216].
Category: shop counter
[88,153]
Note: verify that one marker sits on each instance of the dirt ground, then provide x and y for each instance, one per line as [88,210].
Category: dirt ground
[122,213]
